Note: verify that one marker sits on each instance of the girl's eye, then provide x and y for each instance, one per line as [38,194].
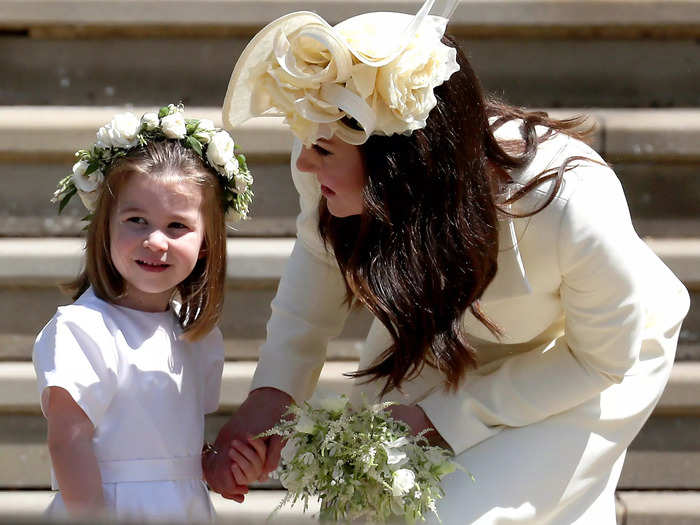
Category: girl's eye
[320,150]
[176,225]
[136,220]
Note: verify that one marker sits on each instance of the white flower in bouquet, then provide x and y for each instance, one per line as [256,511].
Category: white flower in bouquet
[404,481]
[361,465]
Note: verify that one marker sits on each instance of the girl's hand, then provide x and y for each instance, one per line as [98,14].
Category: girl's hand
[248,460]
[260,411]
[415,418]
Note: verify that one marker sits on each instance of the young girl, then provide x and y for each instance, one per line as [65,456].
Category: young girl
[127,372]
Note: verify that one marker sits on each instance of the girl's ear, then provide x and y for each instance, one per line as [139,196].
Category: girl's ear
[202,251]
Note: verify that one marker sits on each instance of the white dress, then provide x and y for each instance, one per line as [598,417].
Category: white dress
[590,319]
[146,392]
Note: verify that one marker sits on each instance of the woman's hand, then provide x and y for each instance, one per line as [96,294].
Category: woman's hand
[260,411]
[415,418]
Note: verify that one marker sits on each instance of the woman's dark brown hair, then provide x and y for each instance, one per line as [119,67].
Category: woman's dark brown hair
[425,247]
[201,293]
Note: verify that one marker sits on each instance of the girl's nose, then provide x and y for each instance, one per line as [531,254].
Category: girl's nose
[156,241]
[307,160]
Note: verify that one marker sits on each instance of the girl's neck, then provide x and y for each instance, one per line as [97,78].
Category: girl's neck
[145,302]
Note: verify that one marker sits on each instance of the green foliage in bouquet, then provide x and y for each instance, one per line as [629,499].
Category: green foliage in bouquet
[362,465]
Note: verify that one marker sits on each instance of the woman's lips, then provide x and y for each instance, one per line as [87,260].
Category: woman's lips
[152,266]
[326,191]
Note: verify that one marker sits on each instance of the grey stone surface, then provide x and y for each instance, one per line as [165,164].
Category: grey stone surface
[26,210]
[530,71]
[660,508]
[665,455]
[525,13]
[24,311]
[662,199]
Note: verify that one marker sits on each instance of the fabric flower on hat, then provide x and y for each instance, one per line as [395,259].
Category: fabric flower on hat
[371,74]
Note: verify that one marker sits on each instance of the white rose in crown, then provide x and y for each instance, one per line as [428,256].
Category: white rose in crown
[406,86]
[242,181]
[83,182]
[231,168]
[150,121]
[121,132]
[173,126]
[220,150]
[205,131]
[89,199]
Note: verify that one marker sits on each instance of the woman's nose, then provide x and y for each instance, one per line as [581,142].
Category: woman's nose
[156,241]
[306,161]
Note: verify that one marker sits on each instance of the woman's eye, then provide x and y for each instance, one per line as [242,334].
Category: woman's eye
[321,151]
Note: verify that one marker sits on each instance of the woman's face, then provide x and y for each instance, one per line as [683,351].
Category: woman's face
[340,170]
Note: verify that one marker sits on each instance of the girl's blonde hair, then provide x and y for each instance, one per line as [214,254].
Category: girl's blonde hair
[201,293]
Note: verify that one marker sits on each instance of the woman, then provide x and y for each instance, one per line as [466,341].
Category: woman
[518,316]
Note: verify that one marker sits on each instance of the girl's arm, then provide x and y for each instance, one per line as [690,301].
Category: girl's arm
[73,457]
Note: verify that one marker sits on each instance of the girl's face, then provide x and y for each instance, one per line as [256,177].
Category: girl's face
[156,232]
[340,170]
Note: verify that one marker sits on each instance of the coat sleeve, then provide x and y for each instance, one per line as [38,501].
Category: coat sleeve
[308,309]
[601,296]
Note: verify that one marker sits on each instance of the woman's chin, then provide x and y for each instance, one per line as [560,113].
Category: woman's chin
[341,213]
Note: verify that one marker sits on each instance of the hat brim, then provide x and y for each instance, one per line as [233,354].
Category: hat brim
[237,103]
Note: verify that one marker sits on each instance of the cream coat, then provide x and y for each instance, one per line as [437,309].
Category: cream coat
[590,318]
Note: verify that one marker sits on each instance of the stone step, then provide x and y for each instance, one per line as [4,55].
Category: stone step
[682,15]
[30,268]
[37,145]
[664,456]
[623,135]
[27,506]
[258,263]
[19,392]
[662,200]
[633,508]
[524,67]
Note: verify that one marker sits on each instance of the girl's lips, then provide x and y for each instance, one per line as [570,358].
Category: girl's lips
[326,191]
[152,267]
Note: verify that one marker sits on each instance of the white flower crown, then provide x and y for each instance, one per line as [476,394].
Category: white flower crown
[126,132]
[371,74]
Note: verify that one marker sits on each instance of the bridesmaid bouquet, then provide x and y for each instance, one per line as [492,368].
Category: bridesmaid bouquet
[362,465]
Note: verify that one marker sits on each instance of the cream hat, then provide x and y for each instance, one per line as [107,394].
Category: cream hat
[371,74]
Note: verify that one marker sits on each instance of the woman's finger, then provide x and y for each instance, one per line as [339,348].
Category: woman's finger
[274,448]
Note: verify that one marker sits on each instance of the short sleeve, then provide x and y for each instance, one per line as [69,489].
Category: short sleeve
[213,345]
[79,359]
